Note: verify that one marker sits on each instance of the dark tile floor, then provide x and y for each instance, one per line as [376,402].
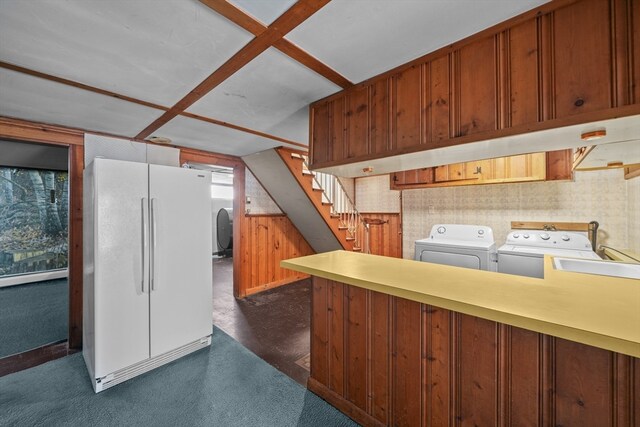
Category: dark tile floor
[274,324]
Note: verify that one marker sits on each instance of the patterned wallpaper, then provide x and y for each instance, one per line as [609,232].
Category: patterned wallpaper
[373,195]
[603,196]
[261,202]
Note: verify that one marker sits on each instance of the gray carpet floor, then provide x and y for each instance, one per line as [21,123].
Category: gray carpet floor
[225,385]
[33,315]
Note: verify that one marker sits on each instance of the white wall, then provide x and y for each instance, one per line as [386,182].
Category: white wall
[261,202]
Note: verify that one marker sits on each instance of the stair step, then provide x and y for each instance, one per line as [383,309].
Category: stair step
[357,249]
[297,156]
[342,227]
[308,173]
[317,189]
[334,215]
[350,239]
[327,204]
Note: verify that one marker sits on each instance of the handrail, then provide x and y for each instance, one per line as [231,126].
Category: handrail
[342,206]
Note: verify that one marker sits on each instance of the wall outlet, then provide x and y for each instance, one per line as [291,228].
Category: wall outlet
[431,209]
[248,200]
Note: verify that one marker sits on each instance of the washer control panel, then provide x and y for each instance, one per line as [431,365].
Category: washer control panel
[549,239]
[461,232]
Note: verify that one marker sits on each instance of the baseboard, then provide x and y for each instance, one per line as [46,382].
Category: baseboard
[349,409]
[275,284]
[35,357]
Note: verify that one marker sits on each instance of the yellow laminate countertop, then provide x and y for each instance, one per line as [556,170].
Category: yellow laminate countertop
[596,310]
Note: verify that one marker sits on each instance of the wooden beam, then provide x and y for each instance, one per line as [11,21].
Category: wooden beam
[37,132]
[94,89]
[293,17]
[255,27]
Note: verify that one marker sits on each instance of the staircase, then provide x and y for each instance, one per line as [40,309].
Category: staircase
[286,176]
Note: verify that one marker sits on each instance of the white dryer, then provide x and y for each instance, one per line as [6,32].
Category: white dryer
[524,251]
[469,246]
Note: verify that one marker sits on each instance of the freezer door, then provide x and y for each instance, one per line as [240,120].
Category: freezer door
[121,307]
[181,301]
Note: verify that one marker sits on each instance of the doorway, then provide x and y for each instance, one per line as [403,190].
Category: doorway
[34,246]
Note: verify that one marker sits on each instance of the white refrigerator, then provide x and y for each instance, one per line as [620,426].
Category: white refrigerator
[147,267]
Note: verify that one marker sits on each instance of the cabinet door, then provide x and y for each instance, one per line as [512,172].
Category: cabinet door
[379,117]
[357,122]
[119,308]
[406,108]
[336,129]
[582,57]
[521,93]
[559,165]
[438,99]
[528,167]
[320,140]
[476,88]
[180,298]
[480,169]
[452,172]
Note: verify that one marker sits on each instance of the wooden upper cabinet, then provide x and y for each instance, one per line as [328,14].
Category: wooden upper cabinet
[357,122]
[635,49]
[320,140]
[406,108]
[582,57]
[437,99]
[519,71]
[475,87]
[379,117]
[337,129]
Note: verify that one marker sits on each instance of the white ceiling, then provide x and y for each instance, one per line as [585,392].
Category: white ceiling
[159,50]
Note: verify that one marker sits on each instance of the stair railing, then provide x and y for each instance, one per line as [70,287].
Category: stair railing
[342,206]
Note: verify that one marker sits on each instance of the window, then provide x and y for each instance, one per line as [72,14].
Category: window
[222,183]
[33,220]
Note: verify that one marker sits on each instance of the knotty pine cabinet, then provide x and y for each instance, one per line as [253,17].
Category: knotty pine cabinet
[564,63]
[555,165]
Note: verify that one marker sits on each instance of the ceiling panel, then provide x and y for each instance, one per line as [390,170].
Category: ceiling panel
[270,94]
[265,11]
[186,132]
[40,100]
[363,38]
[153,50]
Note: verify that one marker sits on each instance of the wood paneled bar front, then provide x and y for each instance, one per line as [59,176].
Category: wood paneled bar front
[563,63]
[384,356]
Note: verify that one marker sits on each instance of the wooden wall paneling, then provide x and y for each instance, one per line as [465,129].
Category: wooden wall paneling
[622,392]
[478,375]
[337,128]
[522,77]
[437,107]
[242,249]
[634,50]
[439,334]
[357,378]
[319,330]
[319,129]
[385,239]
[584,385]
[582,57]
[357,122]
[407,362]
[76,168]
[406,108]
[524,378]
[621,45]
[477,87]
[379,356]
[336,338]
[379,116]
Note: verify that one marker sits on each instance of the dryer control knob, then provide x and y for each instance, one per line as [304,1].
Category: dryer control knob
[566,238]
[545,236]
[481,232]
[526,236]
[441,230]
[515,236]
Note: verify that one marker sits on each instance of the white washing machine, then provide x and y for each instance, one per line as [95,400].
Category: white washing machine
[469,246]
[523,253]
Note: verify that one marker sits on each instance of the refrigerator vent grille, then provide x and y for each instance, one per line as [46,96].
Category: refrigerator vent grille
[149,364]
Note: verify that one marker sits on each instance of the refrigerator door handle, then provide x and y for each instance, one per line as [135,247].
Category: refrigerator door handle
[152,258]
[145,239]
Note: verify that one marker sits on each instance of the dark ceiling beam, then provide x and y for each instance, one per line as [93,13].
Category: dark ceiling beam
[94,89]
[255,27]
[289,20]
